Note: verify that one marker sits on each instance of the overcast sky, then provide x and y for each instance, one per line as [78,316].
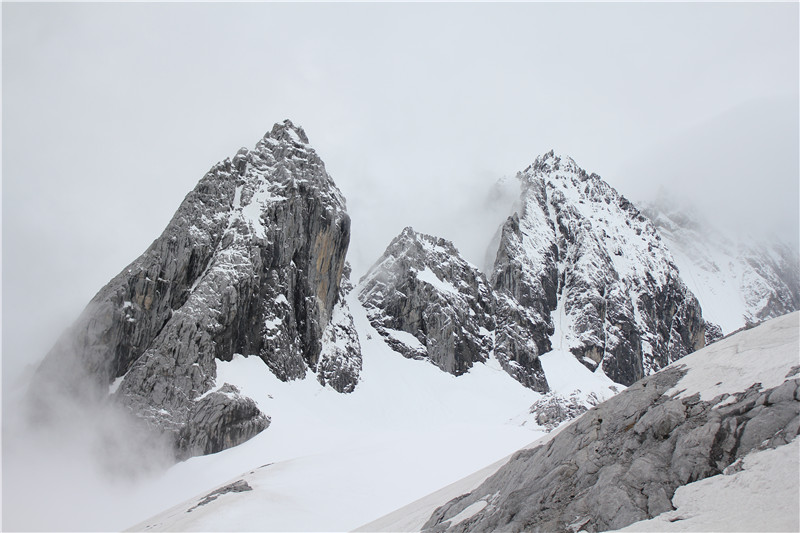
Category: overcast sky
[113,112]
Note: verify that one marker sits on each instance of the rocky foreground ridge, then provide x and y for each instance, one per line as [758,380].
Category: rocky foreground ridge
[251,263]
[623,460]
[578,268]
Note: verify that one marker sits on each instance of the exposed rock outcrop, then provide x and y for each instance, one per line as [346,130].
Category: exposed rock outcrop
[553,409]
[429,303]
[251,263]
[579,268]
[340,360]
[622,461]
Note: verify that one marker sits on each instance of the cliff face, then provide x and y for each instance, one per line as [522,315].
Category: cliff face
[429,303]
[579,268]
[251,263]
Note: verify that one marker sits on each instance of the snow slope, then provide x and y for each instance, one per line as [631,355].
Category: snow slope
[413,516]
[759,493]
[333,461]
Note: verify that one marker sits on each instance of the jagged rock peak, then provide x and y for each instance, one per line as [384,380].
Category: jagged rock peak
[423,241]
[429,303]
[286,130]
[579,268]
[250,264]
[551,161]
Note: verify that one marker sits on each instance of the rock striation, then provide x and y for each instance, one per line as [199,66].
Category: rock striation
[251,263]
[622,461]
[429,303]
[579,268]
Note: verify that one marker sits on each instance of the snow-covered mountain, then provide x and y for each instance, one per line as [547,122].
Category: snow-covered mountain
[708,443]
[331,462]
[241,317]
[580,269]
[577,269]
[428,302]
[251,263]
[739,280]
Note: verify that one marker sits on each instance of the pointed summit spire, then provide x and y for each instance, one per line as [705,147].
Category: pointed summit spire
[287,131]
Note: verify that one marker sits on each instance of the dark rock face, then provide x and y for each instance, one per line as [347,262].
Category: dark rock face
[713,333]
[340,360]
[236,486]
[580,269]
[429,303]
[622,461]
[221,419]
[251,263]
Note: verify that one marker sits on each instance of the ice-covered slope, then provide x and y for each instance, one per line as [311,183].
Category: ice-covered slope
[337,461]
[738,280]
[622,462]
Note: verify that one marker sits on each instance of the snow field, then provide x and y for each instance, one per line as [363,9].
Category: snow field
[731,365]
[763,496]
[337,461]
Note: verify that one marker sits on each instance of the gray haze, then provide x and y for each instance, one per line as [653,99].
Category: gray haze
[113,112]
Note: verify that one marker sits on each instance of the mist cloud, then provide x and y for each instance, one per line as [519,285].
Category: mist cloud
[71,463]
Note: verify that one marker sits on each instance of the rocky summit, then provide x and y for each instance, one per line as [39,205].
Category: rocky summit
[579,268]
[429,303]
[251,263]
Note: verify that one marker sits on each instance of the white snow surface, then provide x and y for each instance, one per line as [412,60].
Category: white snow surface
[764,496]
[336,461]
[469,512]
[429,277]
[731,365]
[115,385]
[413,516]
[565,374]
